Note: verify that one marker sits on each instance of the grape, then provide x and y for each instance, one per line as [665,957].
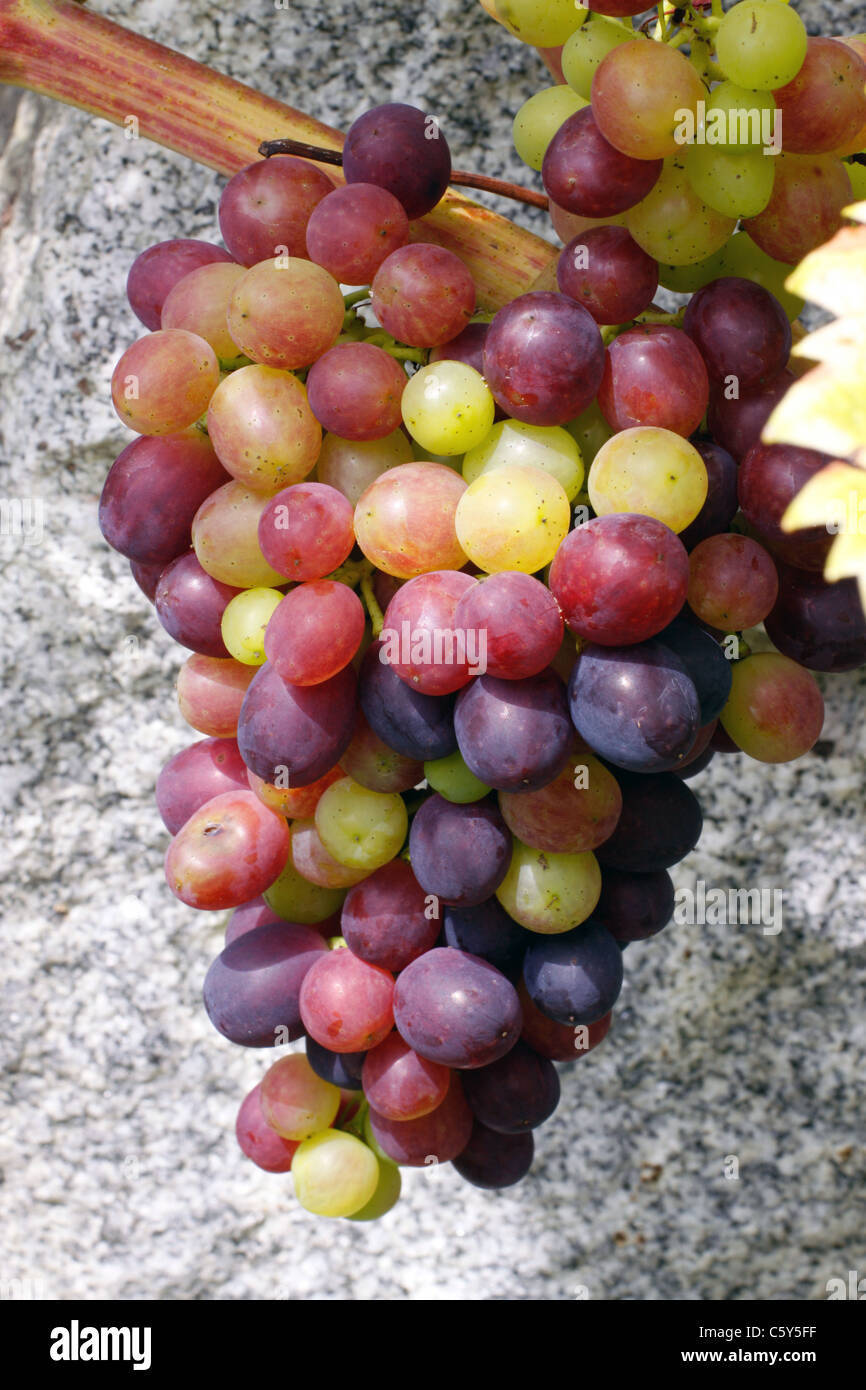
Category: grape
[770,477]
[455,1009]
[674,225]
[654,375]
[697,765]
[512,441]
[296,733]
[342,1069]
[362,829]
[315,632]
[514,735]
[423,295]
[721,505]
[385,1197]
[346,1004]
[225,537]
[374,765]
[591,430]
[162,384]
[295,899]
[314,862]
[574,813]
[575,977]
[517,1093]
[539,119]
[398,148]
[549,893]
[146,577]
[247,917]
[587,47]
[761,43]
[736,118]
[229,850]
[296,803]
[437,1137]
[399,1084]
[405,520]
[460,854]
[620,578]
[386,919]
[736,185]
[210,693]
[263,429]
[558,1041]
[707,666]
[517,622]
[492,1160]
[251,990]
[487,931]
[741,331]
[416,726]
[732,582]
[156,271]
[421,637]
[335,1174]
[615,7]
[448,408]
[467,347]
[199,303]
[195,775]
[296,1102]
[543,358]
[547,23]
[640,93]
[190,605]
[257,1140]
[353,230]
[686,279]
[741,257]
[606,271]
[650,471]
[351,465]
[355,391]
[820,626]
[306,531]
[635,906]
[736,422]
[286,313]
[584,173]
[659,825]
[805,210]
[775,712]
[451,778]
[267,205]
[513,518]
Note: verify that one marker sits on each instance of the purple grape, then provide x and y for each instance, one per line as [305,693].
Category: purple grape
[575,977]
[415,725]
[399,148]
[583,173]
[660,823]
[635,706]
[459,853]
[544,358]
[770,477]
[740,330]
[385,918]
[302,728]
[487,931]
[340,1068]
[190,604]
[153,491]
[251,990]
[721,505]
[705,663]
[634,906]
[517,1093]
[157,270]
[821,626]
[493,1160]
[514,735]
[454,1008]
[736,424]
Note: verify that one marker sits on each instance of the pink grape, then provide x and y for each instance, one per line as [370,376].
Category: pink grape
[417,611]
[386,919]
[369,761]
[263,428]
[314,863]
[295,803]
[346,1004]
[351,465]
[268,205]
[286,315]
[733,582]
[654,375]
[247,917]
[404,521]
[156,271]
[399,1084]
[162,384]
[805,208]
[355,391]
[190,605]
[306,532]
[225,537]
[606,271]
[228,851]
[518,619]
[258,1141]
[437,1137]
[199,303]
[210,692]
[775,712]
[354,229]
[195,775]
[423,295]
[638,94]
[314,632]
[571,815]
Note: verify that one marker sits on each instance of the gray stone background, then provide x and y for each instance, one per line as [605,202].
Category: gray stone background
[120,1173]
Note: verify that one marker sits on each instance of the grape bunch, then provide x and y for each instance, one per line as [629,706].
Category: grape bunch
[464,596]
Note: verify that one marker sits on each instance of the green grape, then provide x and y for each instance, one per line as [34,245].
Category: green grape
[337,943]
[244,620]
[447,407]
[652,472]
[743,257]
[385,1197]
[686,279]
[539,119]
[295,1101]
[360,828]
[736,185]
[335,1174]
[295,899]
[775,711]
[545,446]
[543,23]
[761,44]
[549,893]
[371,1142]
[857,175]
[739,119]
[587,47]
[590,430]
[514,518]
[451,778]
[674,225]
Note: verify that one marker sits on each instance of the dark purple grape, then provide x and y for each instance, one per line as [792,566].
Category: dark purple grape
[153,491]
[190,604]
[467,347]
[146,577]
[251,990]
[736,424]
[415,725]
[487,931]
[821,626]
[770,477]
[304,729]
[440,1135]
[517,1093]
[574,977]
[454,1008]
[705,663]
[459,853]
[544,358]
[583,172]
[385,919]
[606,271]
[634,906]
[740,330]
[399,148]
[493,1160]
[659,825]
[514,735]
[340,1068]
[698,765]
[636,706]
[721,505]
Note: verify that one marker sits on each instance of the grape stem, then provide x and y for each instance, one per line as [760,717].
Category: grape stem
[651,316]
[458,176]
[359,574]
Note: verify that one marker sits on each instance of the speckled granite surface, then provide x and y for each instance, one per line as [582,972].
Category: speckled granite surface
[120,1174]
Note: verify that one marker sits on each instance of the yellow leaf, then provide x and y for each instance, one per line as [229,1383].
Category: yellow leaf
[824,410]
[857,212]
[847,558]
[834,275]
[842,342]
[835,498]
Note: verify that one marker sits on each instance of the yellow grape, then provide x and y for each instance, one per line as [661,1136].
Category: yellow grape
[244,620]
[736,185]
[514,518]
[545,446]
[539,119]
[386,1196]
[362,829]
[335,1174]
[761,44]
[549,893]
[674,225]
[447,407]
[543,23]
[652,472]
[296,899]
